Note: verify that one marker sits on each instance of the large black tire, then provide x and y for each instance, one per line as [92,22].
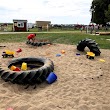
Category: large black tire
[30,77]
[91,44]
[37,43]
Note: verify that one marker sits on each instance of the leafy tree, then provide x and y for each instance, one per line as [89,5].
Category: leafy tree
[98,8]
[107,14]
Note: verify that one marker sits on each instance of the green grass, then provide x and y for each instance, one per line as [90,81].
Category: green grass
[63,38]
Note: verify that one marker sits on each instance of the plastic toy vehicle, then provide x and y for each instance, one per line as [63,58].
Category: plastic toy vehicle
[90,55]
[8,53]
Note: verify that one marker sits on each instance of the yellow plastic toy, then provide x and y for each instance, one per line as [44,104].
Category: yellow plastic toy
[90,55]
[102,60]
[24,66]
[8,53]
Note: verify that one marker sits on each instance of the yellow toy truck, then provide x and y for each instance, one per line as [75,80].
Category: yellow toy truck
[8,53]
[90,55]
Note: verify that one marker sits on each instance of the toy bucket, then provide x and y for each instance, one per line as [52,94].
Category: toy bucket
[51,78]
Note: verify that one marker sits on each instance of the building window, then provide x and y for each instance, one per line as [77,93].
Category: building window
[20,24]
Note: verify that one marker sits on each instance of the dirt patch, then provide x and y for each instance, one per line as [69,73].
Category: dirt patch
[82,84]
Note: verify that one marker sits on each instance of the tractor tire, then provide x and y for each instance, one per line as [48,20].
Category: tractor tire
[30,77]
[91,44]
[37,43]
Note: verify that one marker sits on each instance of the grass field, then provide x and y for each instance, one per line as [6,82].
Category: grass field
[63,38]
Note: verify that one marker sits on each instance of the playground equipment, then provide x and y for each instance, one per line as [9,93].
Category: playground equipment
[38,43]
[91,44]
[44,67]
[8,53]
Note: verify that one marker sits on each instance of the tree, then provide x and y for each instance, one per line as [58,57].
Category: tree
[107,14]
[98,8]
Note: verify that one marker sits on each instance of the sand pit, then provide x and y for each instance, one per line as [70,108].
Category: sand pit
[82,84]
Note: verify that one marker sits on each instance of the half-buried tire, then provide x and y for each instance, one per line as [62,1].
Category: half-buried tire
[37,43]
[31,77]
[91,44]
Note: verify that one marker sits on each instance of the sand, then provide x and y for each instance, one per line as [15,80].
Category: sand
[82,84]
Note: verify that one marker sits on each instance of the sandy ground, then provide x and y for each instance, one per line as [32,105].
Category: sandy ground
[82,84]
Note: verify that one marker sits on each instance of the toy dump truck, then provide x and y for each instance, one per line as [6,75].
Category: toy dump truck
[90,55]
[8,53]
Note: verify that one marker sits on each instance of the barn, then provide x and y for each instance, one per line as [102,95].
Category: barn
[43,25]
[20,25]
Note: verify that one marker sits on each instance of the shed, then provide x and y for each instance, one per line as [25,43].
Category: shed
[20,25]
[43,25]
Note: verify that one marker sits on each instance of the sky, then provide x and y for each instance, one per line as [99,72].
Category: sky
[56,11]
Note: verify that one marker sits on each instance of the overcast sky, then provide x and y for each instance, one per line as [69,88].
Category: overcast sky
[56,11]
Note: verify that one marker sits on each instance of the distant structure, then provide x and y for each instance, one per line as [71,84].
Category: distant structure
[30,25]
[20,25]
[43,25]
[3,27]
